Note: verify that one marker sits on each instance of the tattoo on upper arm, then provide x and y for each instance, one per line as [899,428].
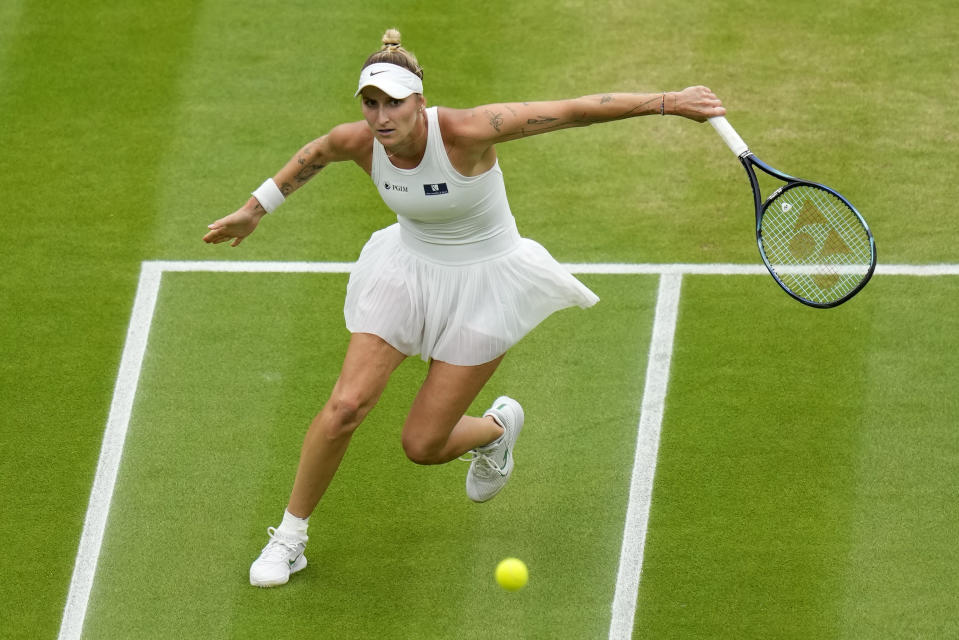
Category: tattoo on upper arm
[495,119]
[545,123]
[309,169]
[308,172]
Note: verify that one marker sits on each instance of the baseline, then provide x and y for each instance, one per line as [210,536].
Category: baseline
[598,268]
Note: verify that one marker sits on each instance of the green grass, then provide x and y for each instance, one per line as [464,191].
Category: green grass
[810,496]
[390,538]
[127,127]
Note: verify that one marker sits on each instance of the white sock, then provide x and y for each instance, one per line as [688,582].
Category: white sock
[293,526]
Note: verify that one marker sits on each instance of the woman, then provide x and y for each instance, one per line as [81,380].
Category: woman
[451,281]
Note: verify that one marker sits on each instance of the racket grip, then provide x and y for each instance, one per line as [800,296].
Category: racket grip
[729,135]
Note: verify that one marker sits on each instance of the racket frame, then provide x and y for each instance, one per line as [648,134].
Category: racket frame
[749,160]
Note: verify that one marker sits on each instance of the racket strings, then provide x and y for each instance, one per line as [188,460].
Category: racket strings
[815,243]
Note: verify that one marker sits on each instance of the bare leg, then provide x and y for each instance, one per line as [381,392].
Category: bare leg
[436,431]
[367,367]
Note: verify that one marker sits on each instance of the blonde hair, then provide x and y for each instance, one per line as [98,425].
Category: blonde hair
[393,52]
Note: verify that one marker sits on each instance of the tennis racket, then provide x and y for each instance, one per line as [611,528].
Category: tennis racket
[813,241]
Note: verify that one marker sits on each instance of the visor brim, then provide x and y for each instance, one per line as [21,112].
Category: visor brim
[392,89]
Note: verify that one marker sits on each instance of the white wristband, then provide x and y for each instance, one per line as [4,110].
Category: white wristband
[269,195]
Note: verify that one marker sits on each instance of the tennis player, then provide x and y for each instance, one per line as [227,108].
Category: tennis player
[452,281]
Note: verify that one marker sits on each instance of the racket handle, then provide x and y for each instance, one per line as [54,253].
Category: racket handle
[729,135]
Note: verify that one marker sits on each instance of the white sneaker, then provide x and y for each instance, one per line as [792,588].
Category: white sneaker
[281,557]
[492,464]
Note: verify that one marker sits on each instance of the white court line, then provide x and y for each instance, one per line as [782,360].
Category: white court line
[111,451]
[131,362]
[602,268]
[644,461]
[222,266]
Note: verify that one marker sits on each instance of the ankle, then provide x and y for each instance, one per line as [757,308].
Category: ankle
[293,526]
[497,431]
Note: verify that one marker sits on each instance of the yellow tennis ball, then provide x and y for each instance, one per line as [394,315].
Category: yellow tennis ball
[512,574]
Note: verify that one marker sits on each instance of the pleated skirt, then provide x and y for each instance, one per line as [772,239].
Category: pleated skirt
[465,305]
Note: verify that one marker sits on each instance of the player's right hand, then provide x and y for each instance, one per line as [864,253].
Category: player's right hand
[236,226]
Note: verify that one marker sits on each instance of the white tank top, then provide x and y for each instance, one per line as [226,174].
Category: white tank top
[438,208]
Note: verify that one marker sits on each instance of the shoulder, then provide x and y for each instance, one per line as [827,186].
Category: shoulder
[462,124]
[351,140]
[468,145]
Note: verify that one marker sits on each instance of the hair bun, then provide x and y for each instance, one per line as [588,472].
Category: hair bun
[391,38]
[392,52]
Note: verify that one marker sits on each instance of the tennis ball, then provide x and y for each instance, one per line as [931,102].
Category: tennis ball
[512,574]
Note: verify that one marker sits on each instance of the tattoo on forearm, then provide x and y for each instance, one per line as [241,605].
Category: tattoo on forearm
[495,120]
[541,120]
[651,105]
[640,108]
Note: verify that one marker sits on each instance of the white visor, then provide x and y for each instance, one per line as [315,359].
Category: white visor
[392,79]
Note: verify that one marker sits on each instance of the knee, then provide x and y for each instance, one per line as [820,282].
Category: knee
[342,414]
[421,450]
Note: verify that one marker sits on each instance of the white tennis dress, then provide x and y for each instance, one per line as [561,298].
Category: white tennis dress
[452,280]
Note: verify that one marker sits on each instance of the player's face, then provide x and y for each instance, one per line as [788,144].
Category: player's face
[393,121]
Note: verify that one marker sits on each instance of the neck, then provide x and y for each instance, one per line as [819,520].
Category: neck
[414,147]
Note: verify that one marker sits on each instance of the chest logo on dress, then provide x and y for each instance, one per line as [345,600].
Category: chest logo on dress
[435,189]
[395,187]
